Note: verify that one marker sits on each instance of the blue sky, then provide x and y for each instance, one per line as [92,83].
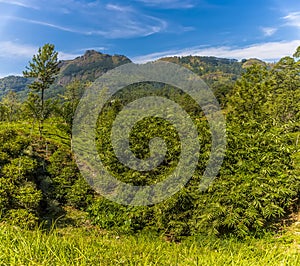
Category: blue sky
[145,30]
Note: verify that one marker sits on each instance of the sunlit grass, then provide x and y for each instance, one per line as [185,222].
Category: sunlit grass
[91,246]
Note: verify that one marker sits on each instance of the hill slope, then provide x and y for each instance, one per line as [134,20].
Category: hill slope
[14,83]
[87,67]
[219,73]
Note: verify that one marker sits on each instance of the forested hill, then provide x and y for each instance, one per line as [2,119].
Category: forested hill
[219,73]
[212,68]
[14,83]
[87,67]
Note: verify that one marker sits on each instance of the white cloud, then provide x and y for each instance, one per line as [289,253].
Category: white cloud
[169,4]
[120,21]
[42,23]
[122,28]
[11,49]
[293,19]
[270,51]
[118,8]
[126,27]
[96,48]
[268,31]
[3,75]
[25,4]
[67,56]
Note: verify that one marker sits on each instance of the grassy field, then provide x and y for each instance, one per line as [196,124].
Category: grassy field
[91,246]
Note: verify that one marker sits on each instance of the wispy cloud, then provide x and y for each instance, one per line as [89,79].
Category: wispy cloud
[87,19]
[270,51]
[293,19]
[3,75]
[122,28]
[119,8]
[268,31]
[25,4]
[67,56]
[43,23]
[169,4]
[12,49]
[15,56]
[96,48]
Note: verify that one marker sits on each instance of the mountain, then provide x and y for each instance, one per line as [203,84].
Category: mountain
[219,73]
[250,62]
[209,68]
[14,83]
[89,67]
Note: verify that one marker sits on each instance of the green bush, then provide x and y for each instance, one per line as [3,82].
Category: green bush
[256,186]
[22,218]
[37,179]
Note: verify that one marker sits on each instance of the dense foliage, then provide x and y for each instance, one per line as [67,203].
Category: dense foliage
[257,185]
[38,177]
[258,182]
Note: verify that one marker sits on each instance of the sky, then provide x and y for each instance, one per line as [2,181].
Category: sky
[145,30]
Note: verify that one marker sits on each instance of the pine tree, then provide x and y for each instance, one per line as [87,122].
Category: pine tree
[43,68]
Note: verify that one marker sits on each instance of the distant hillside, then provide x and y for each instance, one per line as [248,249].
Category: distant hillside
[14,83]
[219,73]
[210,68]
[252,61]
[89,67]
[85,68]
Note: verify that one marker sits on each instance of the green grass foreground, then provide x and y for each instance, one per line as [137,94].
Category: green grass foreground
[91,246]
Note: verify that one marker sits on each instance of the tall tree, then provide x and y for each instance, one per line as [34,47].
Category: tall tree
[43,68]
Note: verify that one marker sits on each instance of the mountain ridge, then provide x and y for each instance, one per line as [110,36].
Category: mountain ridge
[92,64]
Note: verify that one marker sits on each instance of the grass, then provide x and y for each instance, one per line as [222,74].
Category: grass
[91,246]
